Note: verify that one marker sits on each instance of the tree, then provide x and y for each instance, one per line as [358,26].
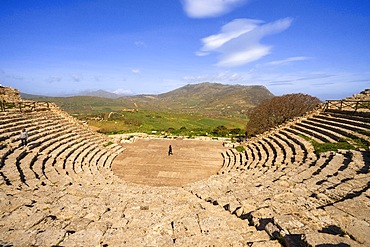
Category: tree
[236,131]
[220,131]
[277,110]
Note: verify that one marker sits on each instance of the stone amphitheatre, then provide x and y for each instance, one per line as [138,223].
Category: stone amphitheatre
[74,187]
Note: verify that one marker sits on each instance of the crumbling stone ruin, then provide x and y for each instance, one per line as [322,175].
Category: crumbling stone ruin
[9,94]
[61,191]
[355,103]
[10,100]
[364,95]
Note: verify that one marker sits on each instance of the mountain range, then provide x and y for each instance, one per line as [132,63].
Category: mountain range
[203,98]
[97,93]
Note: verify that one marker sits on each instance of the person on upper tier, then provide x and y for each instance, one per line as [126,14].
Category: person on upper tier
[23,137]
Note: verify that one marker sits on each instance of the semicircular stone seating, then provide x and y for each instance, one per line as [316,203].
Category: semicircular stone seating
[61,191]
[281,186]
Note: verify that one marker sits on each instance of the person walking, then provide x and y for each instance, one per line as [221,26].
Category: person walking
[170,150]
[23,137]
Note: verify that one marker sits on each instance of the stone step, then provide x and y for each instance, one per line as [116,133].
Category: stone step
[341,133]
[289,145]
[329,136]
[296,130]
[342,123]
[350,118]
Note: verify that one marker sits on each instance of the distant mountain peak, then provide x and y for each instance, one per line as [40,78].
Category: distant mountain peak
[206,98]
[215,97]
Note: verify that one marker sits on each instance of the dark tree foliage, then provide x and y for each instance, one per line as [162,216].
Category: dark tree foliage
[220,131]
[274,111]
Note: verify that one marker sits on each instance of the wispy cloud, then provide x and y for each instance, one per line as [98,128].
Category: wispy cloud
[282,83]
[361,80]
[288,60]
[140,43]
[76,78]
[52,79]
[314,76]
[225,76]
[11,76]
[239,41]
[135,71]
[209,8]
[97,78]
[199,78]
[323,83]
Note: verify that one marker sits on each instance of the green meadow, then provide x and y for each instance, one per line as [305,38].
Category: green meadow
[147,121]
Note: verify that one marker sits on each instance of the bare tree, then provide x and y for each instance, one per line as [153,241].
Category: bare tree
[274,111]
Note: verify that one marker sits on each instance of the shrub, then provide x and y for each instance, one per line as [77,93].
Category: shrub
[107,144]
[236,131]
[133,122]
[240,149]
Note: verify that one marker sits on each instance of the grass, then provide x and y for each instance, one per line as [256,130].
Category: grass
[360,143]
[147,121]
[328,146]
[364,132]
[325,147]
[240,149]
[108,144]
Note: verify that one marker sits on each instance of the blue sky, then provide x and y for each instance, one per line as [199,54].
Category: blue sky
[314,47]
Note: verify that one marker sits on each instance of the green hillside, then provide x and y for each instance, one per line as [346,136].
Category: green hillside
[192,108]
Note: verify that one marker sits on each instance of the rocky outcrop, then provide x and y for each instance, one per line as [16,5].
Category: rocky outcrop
[10,100]
[9,94]
[364,95]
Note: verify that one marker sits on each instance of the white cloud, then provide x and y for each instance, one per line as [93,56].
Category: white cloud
[230,31]
[288,60]
[243,56]
[239,41]
[122,91]
[209,8]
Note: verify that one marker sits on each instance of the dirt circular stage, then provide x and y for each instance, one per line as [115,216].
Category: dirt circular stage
[146,161]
